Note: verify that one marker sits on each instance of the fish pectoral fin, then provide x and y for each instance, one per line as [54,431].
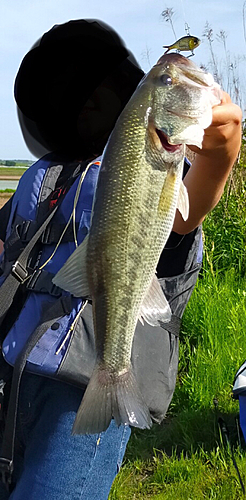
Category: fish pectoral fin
[183,201]
[155,307]
[72,277]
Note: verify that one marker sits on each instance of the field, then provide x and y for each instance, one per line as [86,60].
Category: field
[8,173]
[189,457]
[11,172]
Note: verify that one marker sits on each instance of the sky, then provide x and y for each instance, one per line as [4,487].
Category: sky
[139,23]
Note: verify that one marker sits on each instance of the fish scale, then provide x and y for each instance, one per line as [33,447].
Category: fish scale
[134,275]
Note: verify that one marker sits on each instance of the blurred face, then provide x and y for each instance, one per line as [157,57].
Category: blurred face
[99,115]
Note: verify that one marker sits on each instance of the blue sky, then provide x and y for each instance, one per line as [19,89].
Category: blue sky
[139,23]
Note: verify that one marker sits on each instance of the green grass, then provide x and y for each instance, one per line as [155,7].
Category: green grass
[212,340]
[200,475]
[186,457]
[225,230]
[12,171]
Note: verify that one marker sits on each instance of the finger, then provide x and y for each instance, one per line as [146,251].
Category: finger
[226,113]
[225,99]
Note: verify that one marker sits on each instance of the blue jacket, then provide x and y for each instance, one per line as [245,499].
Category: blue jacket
[26,200]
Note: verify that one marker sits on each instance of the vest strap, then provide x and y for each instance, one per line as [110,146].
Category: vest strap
[19,270]
[51,233]
[41,281]
[27,229]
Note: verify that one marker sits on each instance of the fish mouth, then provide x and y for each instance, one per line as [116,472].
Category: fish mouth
[164,139]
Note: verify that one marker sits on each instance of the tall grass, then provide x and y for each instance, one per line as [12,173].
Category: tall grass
[212,341]
[225,227]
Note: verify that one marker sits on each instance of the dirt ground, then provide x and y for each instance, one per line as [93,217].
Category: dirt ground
[9,177]
[3,198]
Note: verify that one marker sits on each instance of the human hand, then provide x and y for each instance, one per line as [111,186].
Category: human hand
[207,176]
[223,137]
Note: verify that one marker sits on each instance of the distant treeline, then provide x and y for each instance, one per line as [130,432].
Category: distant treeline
[16,163]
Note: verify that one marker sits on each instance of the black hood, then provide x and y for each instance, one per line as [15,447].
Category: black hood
[59,74]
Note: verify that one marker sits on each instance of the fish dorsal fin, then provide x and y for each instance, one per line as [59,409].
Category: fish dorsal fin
[72,277]
[155,307]
[183,201]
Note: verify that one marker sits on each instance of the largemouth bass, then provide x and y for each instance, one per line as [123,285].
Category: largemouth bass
[139,189]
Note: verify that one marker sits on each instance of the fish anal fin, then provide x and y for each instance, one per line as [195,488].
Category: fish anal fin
[155,307]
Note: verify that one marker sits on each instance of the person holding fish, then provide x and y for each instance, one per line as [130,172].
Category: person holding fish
[102,249]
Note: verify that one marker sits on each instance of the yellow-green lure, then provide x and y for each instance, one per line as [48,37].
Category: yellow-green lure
[186,43]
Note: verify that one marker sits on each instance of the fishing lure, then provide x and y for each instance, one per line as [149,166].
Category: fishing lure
[186,43]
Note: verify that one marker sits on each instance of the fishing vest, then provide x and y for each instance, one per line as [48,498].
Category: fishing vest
[66,349]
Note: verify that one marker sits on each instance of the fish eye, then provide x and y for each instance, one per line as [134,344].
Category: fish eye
[166,79]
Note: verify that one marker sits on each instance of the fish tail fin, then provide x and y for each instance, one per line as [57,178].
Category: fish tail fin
[111,395]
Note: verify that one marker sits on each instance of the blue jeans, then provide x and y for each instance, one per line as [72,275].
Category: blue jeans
[52,464]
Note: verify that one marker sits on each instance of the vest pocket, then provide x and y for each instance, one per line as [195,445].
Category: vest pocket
[79,360]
